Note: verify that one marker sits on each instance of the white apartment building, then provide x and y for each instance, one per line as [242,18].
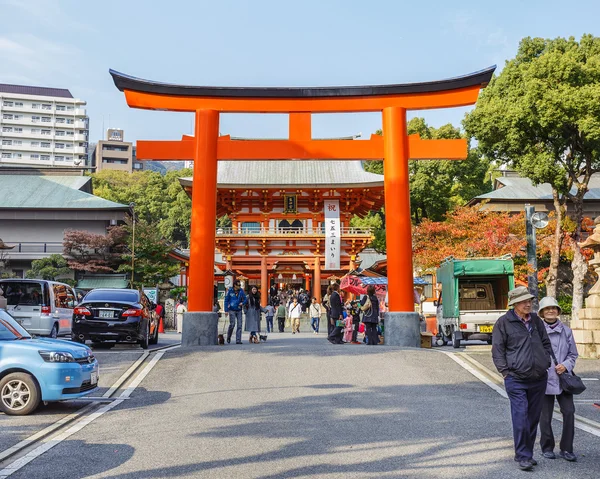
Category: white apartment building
[42,127]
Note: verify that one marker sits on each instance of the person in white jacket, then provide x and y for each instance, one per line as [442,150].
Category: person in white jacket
[315,315]
[294,314]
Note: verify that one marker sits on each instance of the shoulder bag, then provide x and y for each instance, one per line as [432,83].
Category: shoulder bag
[569,382]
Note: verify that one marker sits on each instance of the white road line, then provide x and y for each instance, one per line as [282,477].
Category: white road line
[38,451]
[590,379]
[582,423]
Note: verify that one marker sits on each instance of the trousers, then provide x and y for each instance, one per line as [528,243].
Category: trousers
[526,399]
[295,325]
[233,317]
[281,324]
[269,324]
[371,333]
[314,323]
[567,409]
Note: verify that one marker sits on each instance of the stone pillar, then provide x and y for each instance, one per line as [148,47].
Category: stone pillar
[199,329]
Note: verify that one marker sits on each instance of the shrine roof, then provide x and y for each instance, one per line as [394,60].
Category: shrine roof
[290,173]
[127,82]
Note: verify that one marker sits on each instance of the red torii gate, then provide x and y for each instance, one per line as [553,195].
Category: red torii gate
[396,148]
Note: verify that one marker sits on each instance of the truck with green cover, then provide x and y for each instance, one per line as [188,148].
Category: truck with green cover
[474,295]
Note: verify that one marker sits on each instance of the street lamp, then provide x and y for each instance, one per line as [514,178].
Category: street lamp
[132,211]
[533,221]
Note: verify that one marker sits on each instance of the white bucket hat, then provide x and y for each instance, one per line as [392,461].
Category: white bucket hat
[547,302]
[518,294]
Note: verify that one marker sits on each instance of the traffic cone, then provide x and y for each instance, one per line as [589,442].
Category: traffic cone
[161,326]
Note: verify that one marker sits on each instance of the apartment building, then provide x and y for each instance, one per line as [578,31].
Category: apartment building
[42,126]
[114,153]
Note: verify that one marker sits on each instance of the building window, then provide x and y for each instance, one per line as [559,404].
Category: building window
[6,129]
[60,120]
[34,156]
[17,142]
[35,143]
[45,106]
[7,142]
[19,104]
[45,157]
[70,133]
[35,119]
[60,146]
[60,133]
[59,158]
[6,116]
[70,107]
[7,103]
[70,121]
[46,119]
[17,117]
[61,107]
[6,155]
[69,145]
[36,106]
[35,131]
[46,132]
[45,144]
[18,130]
[17,155]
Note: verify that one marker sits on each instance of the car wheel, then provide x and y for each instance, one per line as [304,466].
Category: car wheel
[154,338]
[455,340]
[19,394]
[145,339]
[54,332]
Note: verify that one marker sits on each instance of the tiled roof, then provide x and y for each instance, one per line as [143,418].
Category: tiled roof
[35,90]
[290,173]
[49,192]
[522,189]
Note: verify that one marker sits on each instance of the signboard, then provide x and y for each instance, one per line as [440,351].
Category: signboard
[332,234]
[290,203]
[114,135]
[152,294]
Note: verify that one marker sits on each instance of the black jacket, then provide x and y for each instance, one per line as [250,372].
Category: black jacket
[335,303]
[519,353]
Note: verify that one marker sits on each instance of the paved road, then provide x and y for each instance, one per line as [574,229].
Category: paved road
[297,406]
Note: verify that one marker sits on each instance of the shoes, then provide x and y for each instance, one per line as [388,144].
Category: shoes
[228,340]
[355,342]
[238,342]
[293,332]
[525,465]
[568,456]
[533,462]
[549,455]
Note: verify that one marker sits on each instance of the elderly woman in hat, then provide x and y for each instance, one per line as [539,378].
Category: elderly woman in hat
[565,351]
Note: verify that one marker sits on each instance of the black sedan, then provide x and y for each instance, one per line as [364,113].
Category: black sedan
[121,315]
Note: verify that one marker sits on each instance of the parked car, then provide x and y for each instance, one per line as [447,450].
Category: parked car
[121,315]
[35,370]
[42,307]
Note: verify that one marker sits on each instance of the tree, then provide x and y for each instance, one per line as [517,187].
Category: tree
[95,253]
[541,115]
[151,262]
[50,268]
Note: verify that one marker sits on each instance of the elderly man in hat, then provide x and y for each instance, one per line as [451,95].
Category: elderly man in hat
[521,353]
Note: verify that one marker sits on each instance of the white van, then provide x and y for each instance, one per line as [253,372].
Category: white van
[44,308]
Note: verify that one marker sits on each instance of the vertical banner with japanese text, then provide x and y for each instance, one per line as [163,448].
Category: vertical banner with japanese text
[332,234]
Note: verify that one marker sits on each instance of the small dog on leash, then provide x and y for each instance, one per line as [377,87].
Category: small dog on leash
[221,338]
[263,337]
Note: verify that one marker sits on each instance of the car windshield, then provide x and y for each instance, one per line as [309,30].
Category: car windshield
[115,295]
[10,329]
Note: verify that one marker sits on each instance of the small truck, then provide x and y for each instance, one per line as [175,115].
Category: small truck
[474,295]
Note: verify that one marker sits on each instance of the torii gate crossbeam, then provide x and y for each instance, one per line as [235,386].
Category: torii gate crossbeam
[396,147]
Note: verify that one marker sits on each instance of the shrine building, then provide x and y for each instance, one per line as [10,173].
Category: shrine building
[277,209]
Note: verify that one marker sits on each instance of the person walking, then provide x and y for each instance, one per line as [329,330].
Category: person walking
[181,309]
[354,311]
[281,316]
[315,315]
[565,352]
[336,314]
[369,305]
[269,313]
[521,353]
[235,298]
[253,314]
[325,302]
[294,313]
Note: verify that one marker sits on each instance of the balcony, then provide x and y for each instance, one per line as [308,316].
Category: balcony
[289,232]
[31,250]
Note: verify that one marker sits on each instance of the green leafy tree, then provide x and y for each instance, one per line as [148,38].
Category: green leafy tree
[50,268]
[541,115]
[150,251]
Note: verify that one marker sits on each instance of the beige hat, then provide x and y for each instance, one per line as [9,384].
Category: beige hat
[518,294]
[547,302]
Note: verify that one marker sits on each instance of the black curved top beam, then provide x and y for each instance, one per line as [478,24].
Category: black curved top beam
[127,82]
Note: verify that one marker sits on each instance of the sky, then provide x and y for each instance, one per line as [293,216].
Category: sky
[73,43]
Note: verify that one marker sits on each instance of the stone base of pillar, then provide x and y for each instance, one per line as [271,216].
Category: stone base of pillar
[200,329]
[402,329]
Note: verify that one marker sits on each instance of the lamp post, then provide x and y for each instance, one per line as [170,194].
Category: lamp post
[132,210]
[533,221]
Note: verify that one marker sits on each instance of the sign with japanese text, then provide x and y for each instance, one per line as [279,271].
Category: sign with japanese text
[332,234]
[290,204]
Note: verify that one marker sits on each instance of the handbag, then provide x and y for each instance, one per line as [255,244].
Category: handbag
[367,304]
[569,382]
[340,323]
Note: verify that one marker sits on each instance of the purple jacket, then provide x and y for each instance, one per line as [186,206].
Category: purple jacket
[565,351]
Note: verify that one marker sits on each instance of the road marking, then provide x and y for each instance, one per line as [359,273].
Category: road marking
[581,422]
[590,379]
[38,451]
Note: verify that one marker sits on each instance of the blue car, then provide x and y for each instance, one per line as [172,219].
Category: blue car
[34,370]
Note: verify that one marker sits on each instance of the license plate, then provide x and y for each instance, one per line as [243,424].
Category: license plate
[106,314]
[94,378]
[486,329]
